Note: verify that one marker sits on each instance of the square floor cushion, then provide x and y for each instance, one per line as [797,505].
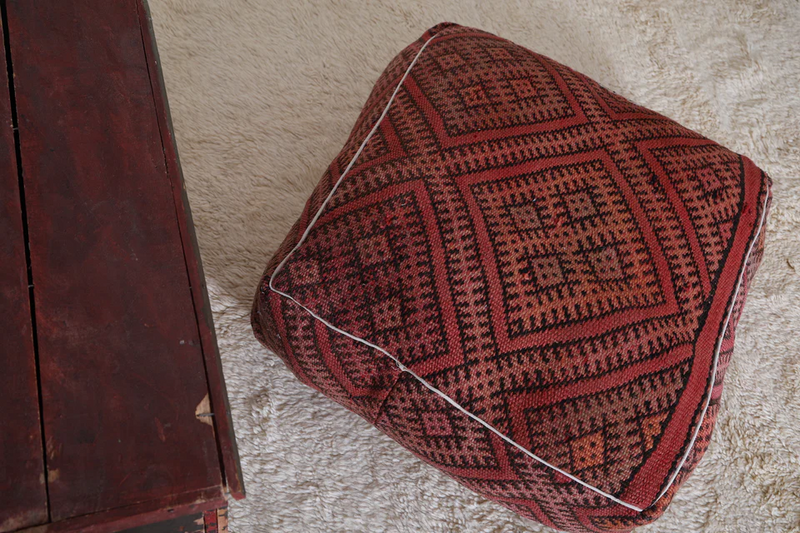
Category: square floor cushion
[523,278]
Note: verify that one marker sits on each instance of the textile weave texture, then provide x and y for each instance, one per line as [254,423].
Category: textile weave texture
[528,281]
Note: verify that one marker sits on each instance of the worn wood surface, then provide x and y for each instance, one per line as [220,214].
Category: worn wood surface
[193,523]
[140,514]
[216,381]
[121,365]
[23,498]
[216,521]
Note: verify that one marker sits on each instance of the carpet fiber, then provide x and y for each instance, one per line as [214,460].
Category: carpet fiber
[263,95]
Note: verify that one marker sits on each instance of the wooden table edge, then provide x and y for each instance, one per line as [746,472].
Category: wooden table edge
[218,395]
[140,514]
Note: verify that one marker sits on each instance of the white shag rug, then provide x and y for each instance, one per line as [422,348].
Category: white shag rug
[263,94]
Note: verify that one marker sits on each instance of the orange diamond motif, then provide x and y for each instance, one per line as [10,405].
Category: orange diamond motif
[588,451]
[651,428]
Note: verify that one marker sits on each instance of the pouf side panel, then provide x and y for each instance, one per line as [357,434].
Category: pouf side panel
[668,458]
[446,438]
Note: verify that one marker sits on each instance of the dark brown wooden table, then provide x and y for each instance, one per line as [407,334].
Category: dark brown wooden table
[113,408]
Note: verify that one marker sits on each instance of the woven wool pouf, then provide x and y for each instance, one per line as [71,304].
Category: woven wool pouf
[523,278]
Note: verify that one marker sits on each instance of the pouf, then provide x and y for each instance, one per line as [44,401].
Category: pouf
[525,279]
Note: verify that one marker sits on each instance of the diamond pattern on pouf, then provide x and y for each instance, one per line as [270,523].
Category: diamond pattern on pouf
[528,281]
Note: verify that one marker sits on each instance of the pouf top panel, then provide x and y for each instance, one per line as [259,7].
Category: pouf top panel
[558,263]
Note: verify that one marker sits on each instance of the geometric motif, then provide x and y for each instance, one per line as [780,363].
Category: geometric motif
[580,244]
[528,281]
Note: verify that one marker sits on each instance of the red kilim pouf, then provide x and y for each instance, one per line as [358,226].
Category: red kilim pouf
[523,278]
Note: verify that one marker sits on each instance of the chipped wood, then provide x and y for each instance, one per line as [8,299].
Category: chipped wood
[203,411]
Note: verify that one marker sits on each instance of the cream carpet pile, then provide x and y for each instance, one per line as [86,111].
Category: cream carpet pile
[263,94]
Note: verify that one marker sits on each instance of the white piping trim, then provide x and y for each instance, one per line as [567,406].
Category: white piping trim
[449,400]
[400,365]
[716,352]
[346,170]
[452,402]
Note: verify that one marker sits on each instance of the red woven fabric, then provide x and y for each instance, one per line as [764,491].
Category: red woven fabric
[523,278]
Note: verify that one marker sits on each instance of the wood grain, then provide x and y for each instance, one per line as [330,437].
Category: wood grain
[23,498]
[121,364]
[223,422]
